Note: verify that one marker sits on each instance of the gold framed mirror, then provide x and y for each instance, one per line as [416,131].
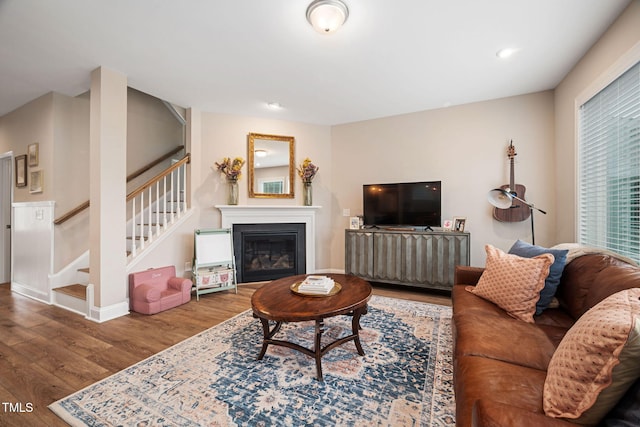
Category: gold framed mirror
[271,166]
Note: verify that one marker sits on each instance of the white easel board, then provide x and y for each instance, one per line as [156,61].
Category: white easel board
[213,247]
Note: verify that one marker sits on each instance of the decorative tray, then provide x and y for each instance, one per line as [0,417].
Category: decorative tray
[336,288]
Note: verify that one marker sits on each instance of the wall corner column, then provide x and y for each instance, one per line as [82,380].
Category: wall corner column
[108,160]
[194,147]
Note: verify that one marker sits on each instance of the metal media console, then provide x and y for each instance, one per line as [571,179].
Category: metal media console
[414,258]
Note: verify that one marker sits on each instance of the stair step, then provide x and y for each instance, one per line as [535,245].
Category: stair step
[84,270]
[77,290]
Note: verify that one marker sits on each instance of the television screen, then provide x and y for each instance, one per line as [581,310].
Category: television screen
[404,204]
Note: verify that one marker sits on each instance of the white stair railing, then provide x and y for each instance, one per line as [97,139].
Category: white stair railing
[163,204]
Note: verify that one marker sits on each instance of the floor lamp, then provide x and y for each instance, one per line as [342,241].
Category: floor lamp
[503,199]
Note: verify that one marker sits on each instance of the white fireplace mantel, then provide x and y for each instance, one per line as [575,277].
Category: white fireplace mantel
[268,214]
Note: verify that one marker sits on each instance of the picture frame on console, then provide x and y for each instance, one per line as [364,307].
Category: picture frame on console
[447,225]
[354,223]
[459,223]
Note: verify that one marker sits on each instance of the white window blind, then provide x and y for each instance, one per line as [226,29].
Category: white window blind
[609,167]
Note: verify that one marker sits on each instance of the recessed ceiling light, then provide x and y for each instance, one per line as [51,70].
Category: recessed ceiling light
[506,52]
[274,105]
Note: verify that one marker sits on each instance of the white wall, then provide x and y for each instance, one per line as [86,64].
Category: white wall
[466,148]
[108,148]
[27,125]
[152,132]
[32,249]
[619,39]
[225,135]
[70,175]
[60,124]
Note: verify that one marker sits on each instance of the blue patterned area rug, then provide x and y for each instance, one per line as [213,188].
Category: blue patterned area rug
[214,379]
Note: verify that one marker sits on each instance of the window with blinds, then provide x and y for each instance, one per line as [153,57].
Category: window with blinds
[271,185]
[609,167]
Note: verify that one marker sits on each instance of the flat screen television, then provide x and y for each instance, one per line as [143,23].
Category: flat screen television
[402,204]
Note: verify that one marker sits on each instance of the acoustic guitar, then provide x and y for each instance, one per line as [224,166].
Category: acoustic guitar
[518,211]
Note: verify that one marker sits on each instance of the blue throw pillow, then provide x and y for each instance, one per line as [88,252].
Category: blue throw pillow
[552,281]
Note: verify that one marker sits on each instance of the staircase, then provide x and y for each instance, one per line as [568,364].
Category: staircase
[73,297]
[154,209]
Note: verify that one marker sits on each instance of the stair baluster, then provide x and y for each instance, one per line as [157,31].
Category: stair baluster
[162,196]
[133,228]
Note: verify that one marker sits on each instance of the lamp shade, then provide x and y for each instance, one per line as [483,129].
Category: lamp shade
[500,198]
[326,16]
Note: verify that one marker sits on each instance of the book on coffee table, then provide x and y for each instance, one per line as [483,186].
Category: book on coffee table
[320,285]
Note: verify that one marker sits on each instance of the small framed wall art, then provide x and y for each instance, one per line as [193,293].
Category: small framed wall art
[21,171]
[33,153]
[447,225]
[458,223]
[35,185]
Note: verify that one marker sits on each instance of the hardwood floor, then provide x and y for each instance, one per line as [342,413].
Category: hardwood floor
[47,353]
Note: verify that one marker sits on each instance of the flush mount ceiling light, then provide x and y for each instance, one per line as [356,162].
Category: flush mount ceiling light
[506,52]
[326,16]
[260,153]
[274,105]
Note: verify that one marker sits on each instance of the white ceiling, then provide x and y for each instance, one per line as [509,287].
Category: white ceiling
[391,57]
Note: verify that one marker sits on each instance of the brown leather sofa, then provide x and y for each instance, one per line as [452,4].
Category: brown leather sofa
[500,363]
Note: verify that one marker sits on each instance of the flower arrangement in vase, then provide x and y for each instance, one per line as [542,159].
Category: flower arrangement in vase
[307,171]
[231,169]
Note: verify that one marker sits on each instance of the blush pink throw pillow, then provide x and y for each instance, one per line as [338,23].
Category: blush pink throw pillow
[513,283]
[596,362]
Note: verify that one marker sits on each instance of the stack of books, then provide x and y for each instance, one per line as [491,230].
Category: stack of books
[316,285]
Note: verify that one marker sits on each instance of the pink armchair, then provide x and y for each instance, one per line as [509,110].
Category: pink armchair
[157,289]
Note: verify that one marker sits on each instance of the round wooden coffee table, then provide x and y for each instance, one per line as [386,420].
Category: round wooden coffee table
[275,301]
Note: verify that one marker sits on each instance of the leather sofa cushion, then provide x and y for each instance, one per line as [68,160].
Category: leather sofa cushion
[503,338]
[616,277]
[487,413]
[464,301]
[555,317]
[467,275]
[554,323]
[489,379]
[480,331]
[589,279]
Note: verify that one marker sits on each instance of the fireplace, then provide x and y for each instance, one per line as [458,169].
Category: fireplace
[269,251]
[234,215]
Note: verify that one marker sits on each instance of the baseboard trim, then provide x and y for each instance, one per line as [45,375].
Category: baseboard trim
[329,271]
[103,314]
[28,291]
